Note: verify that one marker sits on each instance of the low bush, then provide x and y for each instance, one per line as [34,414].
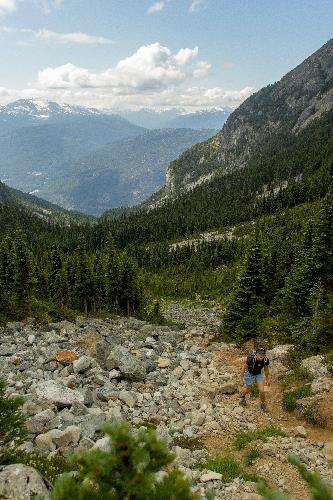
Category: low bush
[244,438]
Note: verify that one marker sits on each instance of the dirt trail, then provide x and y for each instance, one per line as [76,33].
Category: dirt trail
[279,473]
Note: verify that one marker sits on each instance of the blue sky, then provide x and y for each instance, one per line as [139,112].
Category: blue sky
[144,53]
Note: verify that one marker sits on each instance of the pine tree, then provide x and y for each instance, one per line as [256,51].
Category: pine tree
[55,268]
[246,306]
[131,294]
[83,279]
[126,471]
[24,271]
[112,278]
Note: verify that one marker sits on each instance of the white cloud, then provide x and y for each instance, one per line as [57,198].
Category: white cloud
[7,6]
[151,77]
[152,67]
[156,7]
[197,5]
[79,37]
[53,36]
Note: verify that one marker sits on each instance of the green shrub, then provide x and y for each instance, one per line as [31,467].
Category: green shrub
[289,398]
[189,443]
[251,456]
[50,468]
[328,361]
[228,467]
[12,424]
[244,438]
[126,470]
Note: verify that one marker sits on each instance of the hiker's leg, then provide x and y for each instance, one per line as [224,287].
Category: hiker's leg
[261,387]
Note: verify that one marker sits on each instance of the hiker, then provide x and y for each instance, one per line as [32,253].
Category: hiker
[252,373]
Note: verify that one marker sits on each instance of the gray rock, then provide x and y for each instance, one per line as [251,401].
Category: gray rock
[38,423]
[321,384]
[82,364]
[58,394]
[128,398]
[19,482]
[131,367]
[228,388]
[314,366]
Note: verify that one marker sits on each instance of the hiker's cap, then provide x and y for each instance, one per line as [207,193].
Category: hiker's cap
[261,350]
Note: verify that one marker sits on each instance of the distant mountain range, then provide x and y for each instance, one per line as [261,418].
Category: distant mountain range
[177,118]
[84,159]
[120,174]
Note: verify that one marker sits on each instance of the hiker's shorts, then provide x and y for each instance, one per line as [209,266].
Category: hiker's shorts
[252,379]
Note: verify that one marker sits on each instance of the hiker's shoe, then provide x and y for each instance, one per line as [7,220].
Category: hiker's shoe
[242,400]
[264,408]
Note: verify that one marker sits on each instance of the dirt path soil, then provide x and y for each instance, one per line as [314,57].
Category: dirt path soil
[278,472]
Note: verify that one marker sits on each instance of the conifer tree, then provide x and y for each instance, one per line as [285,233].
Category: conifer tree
[24,270]
[60,293]
[127,470]
[55,267]
[112,278]
[6,264]
[246,306]
[83,279]
[131,294]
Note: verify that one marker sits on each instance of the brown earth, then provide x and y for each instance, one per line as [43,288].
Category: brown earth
[222,443]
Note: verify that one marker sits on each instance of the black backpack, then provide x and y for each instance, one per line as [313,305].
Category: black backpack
[251,360]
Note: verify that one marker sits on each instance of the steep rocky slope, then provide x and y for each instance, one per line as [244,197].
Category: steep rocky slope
[75,376]
[286,107]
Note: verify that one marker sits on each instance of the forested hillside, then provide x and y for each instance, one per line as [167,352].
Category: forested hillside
[266,254]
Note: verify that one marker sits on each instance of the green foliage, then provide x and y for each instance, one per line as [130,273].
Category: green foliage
[328,361]
[228,467]
[126,470]
[251,455]
[189,443]
[50,468]
[289,398]
[244,438]
[319,489]
[12,425]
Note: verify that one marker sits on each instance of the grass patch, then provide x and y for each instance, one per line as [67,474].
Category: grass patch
[244,438]
[328,361]
[251,455]
[228,467]
[189,443]
[289,398]
[254,391]
[50,468]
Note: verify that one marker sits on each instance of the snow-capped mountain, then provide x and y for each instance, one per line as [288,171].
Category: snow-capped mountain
[25,112]
[178,118]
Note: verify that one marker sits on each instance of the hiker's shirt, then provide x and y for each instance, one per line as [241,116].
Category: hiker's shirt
[255,366]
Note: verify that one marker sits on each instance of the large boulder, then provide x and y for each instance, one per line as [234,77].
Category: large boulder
[315,367]
[131,367]
[279,359]
[19,482]
[58,394]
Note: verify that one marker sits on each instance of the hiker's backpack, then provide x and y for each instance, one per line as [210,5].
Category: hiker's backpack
[251,360]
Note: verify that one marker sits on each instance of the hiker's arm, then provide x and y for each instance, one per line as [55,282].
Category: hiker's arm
[244,367]
[267,375]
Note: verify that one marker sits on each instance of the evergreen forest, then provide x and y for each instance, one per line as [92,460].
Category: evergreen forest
[266,257]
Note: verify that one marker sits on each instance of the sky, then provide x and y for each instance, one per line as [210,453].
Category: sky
[132,54]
